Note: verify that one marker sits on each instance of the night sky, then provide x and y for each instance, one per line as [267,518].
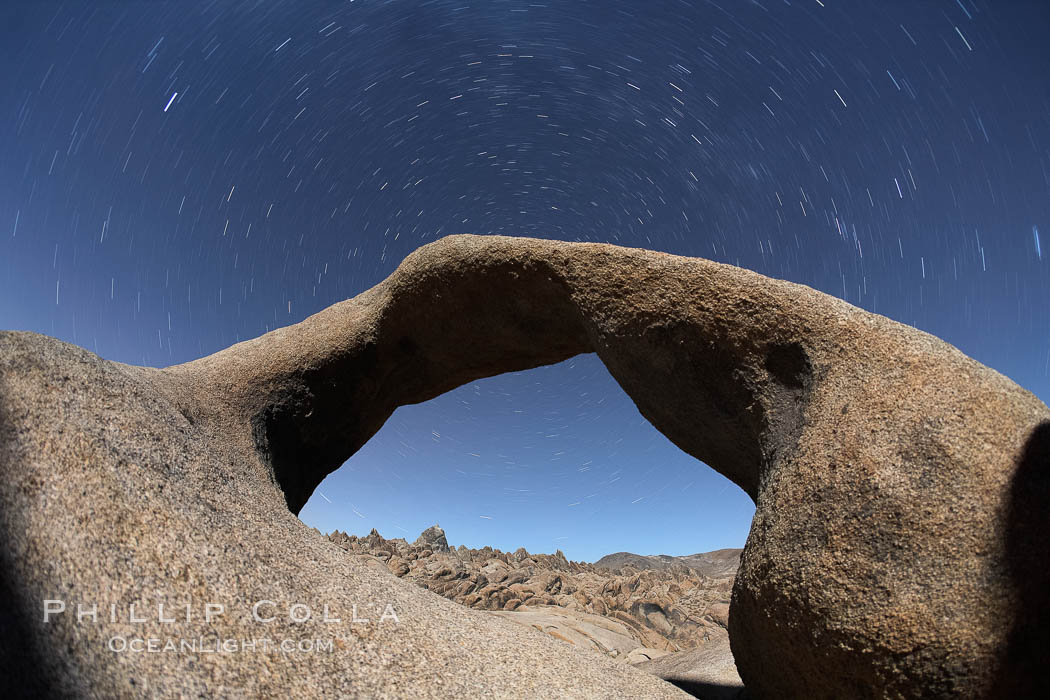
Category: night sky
[179,176]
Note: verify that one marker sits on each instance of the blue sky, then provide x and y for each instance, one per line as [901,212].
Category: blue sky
[552,458]
[178,176]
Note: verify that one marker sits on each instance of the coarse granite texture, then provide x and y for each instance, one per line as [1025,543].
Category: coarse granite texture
[898,547]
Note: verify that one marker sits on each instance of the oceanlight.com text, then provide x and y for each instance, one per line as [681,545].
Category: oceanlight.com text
[202,645]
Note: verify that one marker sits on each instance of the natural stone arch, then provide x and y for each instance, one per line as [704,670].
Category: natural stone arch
[852,433]
[670,330]
[892,475]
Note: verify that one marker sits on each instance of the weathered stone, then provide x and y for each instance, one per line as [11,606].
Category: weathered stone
[898,547]
[583,630]
[643,654]
[433,538]
[707,672]
[719,614]
[490,579]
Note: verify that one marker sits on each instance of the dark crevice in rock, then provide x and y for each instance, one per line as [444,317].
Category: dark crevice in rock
[789,364]
[792,382]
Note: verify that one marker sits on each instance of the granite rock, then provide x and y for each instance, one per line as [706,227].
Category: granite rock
[433,538]
[898,546]
[707,672]
[670,609]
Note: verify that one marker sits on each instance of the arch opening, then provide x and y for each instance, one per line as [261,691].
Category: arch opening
[551,458]
[729,393]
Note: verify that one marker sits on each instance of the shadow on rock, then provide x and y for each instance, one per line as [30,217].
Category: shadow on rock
[709,691]
[1024,672]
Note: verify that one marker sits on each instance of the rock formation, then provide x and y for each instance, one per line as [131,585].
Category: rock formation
[432,538]
[898,546]
[706,672]
[651,611]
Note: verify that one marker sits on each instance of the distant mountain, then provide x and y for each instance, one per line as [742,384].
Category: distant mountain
[716,564]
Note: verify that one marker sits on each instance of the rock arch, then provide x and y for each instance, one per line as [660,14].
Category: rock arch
[856,436]
[881,460]
[709,353]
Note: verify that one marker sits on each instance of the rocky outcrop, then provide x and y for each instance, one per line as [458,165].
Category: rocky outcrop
[433,538]
[898,546]
[666,610]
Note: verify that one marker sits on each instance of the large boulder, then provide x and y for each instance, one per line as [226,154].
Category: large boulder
[433,538]
[898,547]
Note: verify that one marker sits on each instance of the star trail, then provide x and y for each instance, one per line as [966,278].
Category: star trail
[178,176]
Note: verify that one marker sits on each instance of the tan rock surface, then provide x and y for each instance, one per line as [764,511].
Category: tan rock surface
[584,630]
[707,672]
[669,609]
[111,496]
[898,548]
